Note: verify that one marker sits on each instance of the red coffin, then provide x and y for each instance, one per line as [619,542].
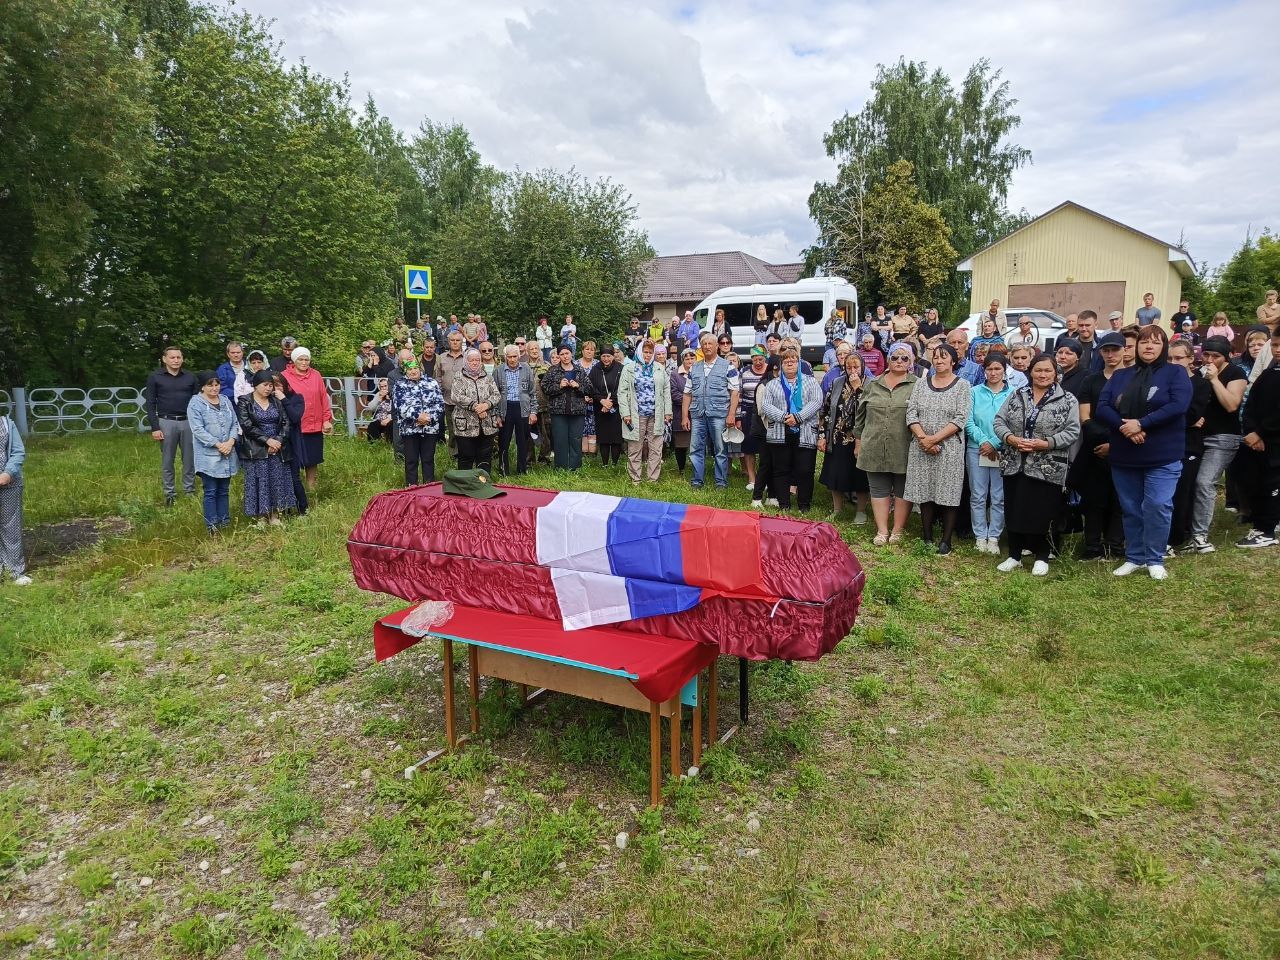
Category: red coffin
[419,544]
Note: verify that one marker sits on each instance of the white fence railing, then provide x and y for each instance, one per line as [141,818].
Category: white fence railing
[49,411]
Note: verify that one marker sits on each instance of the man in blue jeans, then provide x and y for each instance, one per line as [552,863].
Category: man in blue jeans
[710,403]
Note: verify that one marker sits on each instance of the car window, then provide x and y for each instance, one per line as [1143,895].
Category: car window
[700,315]
[736,314]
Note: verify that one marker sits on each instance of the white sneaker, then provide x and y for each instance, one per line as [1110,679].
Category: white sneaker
[748,486]
[1039,568]
[1127,568]
[859,518]
[771,502]
[757,504]
[22,581]
[993,546]
[1009,565]
[1158,572]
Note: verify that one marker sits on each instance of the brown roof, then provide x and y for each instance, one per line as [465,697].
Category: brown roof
[692,276]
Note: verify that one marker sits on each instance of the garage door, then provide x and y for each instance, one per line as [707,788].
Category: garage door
[1064,298]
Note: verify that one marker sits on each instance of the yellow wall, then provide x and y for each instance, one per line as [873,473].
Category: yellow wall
[1074,245]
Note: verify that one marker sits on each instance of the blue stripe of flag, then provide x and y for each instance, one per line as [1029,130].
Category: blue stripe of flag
[643,541]
[648,598]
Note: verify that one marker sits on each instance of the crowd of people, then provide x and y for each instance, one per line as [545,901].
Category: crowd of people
[1124,434]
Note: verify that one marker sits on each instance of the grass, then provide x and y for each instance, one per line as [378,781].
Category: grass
[200,758]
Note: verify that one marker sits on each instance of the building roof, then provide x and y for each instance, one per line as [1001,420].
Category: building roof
[692,276]
[1179,257]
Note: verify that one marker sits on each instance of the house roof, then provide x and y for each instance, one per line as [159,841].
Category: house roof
[1179,257]
[692,276]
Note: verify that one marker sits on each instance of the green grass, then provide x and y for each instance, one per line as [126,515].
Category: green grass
[988,766]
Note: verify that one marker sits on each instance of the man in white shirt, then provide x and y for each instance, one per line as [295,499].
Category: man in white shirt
[1027,334]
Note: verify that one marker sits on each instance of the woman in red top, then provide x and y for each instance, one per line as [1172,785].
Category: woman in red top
[317,415]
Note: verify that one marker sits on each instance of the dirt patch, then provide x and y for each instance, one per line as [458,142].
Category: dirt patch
[48,543]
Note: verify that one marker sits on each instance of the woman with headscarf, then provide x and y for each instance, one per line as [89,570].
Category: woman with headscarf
[936,415]
[882,441]
[475,401]
[317,414]
[680,439]
[13,454]
[265,451]
[840,473]
[982,456]
[644,405]
[604,378]
[1145,406]
[790,403]
[419,411]
[1038,427]
[214,428]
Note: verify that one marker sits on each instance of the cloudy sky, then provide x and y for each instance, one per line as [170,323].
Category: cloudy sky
[1161,115]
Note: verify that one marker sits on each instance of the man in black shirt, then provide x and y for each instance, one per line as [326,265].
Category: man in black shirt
[278,364]
[168,392]
[1090,473]
[1261,425]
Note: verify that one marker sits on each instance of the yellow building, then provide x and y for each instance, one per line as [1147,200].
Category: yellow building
[1070,259]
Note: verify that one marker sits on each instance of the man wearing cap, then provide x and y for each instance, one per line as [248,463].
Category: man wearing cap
[280,363]
[1090,473]
[1221,435]
[1116,319]
[710,404]
[1027,334]
[168,391]
[519,406]
[441,333]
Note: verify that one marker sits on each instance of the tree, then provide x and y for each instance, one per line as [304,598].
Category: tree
[956,142]
[545,241]
[908,252]
[76,113]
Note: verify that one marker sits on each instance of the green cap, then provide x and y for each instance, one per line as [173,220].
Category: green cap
[471,483]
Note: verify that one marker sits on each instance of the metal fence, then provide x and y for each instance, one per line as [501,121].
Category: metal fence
[52,411]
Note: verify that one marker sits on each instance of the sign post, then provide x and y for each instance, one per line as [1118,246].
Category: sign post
[417,285]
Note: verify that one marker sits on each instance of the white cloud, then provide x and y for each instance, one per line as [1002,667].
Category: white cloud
[712,114]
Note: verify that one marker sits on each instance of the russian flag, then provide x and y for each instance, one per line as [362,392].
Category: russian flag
[614,559]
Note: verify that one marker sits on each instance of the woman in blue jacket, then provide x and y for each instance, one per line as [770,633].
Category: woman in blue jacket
[12,455]
[214,429]
[982,454]
[1145,407]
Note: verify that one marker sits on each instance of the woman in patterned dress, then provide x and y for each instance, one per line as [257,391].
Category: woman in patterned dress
[936,415]
[840,473]
[265,454]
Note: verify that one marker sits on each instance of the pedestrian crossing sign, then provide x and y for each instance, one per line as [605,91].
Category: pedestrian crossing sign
[417,282]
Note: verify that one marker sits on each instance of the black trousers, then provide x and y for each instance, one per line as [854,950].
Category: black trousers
[419,450]
[1103,520]
[375,431]
[475,452]
[513,424]
[1037,544]
[1259,477]
[610,453]
[792,466]
[764,469]
[1184,498]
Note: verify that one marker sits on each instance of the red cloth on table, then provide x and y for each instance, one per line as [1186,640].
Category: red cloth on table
[657,666]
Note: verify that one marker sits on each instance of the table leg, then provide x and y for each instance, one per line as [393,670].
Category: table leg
[675,737]
[473,668]
[697,727]
[713,684]
[655,752]
[450,729]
